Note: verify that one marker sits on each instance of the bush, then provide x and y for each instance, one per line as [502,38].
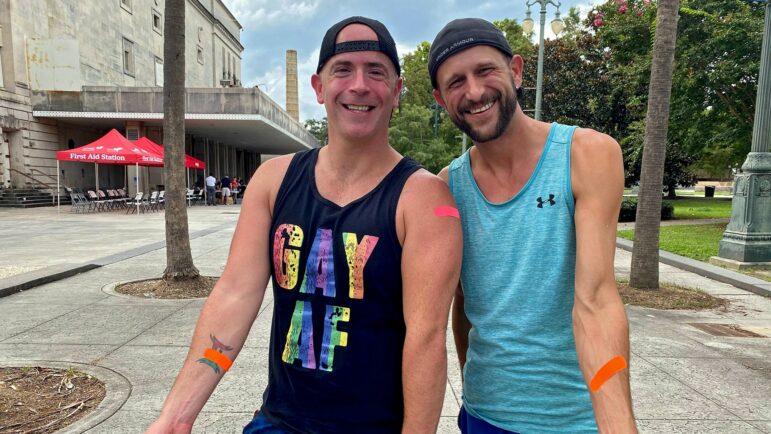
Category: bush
[628,211]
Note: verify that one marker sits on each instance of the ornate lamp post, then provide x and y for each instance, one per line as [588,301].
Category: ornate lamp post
[747,239]
[556,26]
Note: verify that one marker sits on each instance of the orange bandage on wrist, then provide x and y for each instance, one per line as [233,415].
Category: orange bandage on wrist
[220,359]
[613,367]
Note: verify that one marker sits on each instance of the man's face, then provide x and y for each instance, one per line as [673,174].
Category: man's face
[358,89]
[477,86]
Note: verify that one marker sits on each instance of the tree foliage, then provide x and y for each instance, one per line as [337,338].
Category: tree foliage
[318,128]
[714,81]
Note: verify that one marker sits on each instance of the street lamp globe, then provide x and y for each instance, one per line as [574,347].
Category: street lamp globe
[557,25]
[528,24]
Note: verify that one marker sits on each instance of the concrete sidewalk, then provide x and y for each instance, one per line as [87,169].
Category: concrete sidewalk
[683,379]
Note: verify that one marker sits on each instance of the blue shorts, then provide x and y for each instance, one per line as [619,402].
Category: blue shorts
[469,424]
[261,425]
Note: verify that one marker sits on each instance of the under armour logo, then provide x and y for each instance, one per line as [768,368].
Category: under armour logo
[550,201]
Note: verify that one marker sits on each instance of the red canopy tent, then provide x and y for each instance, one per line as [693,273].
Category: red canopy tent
[190,162]
[112,148]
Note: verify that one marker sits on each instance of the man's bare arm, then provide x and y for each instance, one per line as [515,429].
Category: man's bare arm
[460,323]
[599,320]
[431,259]
[231,308]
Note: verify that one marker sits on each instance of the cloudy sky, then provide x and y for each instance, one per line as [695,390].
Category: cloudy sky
[270,27]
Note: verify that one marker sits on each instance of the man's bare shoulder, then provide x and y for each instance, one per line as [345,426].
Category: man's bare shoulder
[591,148]
[423,185]
[444,174]
[597,163]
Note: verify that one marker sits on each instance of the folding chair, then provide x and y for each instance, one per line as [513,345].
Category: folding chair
[87,205]
[160,202]
[152,201]
[94,199]
[78,205]
[132,203]
[106,203]
[118,200]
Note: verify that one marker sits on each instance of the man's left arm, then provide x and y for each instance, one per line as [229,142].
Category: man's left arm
[599,321]
[431,260]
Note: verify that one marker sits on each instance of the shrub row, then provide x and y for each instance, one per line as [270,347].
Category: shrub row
[628,211]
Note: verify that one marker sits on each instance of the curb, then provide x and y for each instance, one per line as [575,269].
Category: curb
[739,280]
[24,281]
[20,282]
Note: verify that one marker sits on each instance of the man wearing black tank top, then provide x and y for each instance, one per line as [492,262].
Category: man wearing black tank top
[363,249]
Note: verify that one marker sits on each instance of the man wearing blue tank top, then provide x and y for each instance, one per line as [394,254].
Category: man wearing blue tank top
[362,266]
[537,317]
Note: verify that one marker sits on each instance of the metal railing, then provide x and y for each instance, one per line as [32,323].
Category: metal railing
[52,188]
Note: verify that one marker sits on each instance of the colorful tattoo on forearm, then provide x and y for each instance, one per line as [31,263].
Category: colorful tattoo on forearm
[215,358]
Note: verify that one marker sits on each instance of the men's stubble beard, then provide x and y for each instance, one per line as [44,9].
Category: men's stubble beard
[507,110]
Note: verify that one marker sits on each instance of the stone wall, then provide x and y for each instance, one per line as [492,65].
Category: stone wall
[99,29]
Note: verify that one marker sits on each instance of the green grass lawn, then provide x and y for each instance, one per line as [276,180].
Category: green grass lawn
[701,208]
[699,242]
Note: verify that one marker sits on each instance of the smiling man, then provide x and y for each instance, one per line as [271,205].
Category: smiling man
[537,317]
[363,269]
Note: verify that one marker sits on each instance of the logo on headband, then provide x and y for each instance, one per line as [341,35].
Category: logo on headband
[452,47]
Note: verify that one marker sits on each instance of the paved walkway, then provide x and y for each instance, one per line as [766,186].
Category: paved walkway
[683,380]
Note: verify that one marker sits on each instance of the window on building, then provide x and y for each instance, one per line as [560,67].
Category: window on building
[199,54]
[1,57]
[126,4]
[70,144]
[128,57]
[224,73]
[157,22]
[158,72]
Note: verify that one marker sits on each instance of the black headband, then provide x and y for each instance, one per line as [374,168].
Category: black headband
[384,44]
[461,34]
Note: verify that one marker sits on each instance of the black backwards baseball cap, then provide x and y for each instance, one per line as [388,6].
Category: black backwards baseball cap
[461,34]
[385,43]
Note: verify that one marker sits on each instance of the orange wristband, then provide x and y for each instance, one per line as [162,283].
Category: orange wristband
[610,369]
[220,359]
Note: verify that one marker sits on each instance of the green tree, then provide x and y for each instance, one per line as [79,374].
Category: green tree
[714,81]
[417,84]
[411,133]
[179,259]
[318,127]
[645,254]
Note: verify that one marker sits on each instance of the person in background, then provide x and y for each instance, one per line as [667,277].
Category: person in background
[211,187]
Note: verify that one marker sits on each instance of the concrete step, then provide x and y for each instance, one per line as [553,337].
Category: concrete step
[23,202]
[26,205]
[25,193]
[19,191]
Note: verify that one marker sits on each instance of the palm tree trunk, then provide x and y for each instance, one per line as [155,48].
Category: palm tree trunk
[645,254]
[179,259]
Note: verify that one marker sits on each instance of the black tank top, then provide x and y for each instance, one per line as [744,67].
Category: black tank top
[338,327]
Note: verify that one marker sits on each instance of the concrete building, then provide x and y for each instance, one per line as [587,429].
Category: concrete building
[72,69]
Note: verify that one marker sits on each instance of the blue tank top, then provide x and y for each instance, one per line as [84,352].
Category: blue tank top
[521,371]
[338,329]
